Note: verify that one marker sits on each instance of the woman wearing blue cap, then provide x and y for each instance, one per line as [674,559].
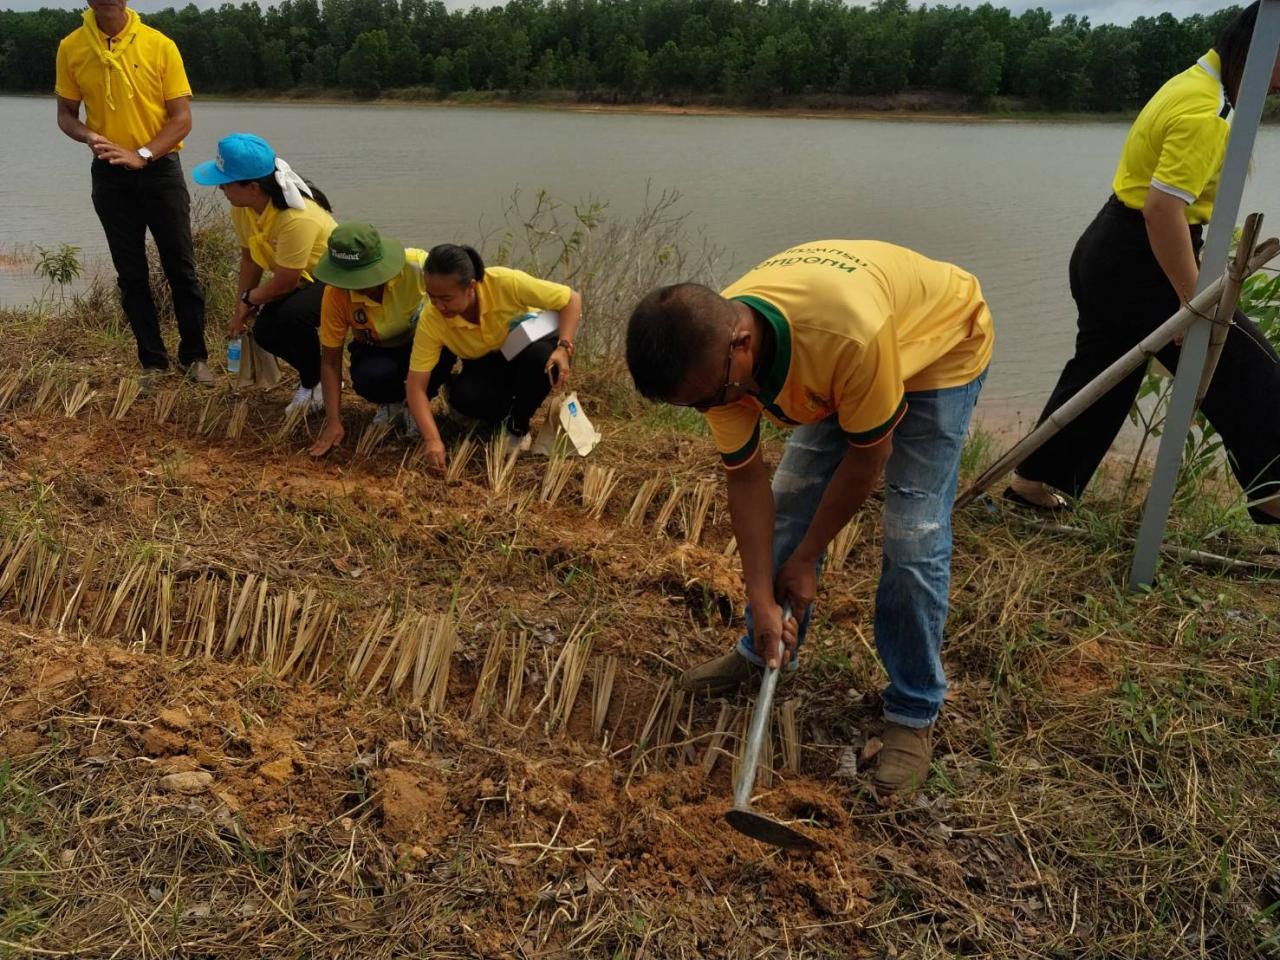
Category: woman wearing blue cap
[283,223]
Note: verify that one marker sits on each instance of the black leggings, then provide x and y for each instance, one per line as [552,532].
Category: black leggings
[492,388]
[1122,295]
[290,329]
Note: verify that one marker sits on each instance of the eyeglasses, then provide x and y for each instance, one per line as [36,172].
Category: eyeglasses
[716,399]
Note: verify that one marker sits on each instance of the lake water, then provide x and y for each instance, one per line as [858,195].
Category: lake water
[1004,200]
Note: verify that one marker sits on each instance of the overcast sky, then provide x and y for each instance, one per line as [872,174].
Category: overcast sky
[1098,11]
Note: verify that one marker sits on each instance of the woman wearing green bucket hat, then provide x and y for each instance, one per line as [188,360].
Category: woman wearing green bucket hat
[283,222]
[373,296]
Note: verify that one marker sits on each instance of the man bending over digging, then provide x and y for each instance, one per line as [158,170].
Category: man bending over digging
[875,355]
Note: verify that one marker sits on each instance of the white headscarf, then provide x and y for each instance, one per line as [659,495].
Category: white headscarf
[293,185]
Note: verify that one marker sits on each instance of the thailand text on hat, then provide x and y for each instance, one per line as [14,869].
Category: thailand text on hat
[358,258]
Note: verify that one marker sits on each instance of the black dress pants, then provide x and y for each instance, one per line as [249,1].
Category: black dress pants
[493,389]
[289,328]
[378,373]
[1122,295]
[129,203]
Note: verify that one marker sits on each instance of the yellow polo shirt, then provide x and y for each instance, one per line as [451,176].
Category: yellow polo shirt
[856,325]
[1179,141]
[387,324]
[154,66]
[293,239]
[505,295]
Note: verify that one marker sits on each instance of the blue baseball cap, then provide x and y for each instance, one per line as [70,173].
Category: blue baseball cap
[241,156]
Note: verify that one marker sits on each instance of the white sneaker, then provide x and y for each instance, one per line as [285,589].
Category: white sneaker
[410,425]
[518,443]
[306,400]
[389,413]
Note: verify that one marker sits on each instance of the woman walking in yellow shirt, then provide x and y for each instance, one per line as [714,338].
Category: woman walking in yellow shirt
[1133,266]
[468,315]
[283,223]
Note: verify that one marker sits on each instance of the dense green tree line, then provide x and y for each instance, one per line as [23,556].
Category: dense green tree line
[735,50]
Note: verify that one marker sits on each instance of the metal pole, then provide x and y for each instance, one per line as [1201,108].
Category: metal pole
[1191,362]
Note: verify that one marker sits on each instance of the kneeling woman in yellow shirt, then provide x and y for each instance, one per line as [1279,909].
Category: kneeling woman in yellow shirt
[373,296]
[283,223]
[468,314]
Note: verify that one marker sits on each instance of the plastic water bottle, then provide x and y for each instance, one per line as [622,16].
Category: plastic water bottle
[233,355]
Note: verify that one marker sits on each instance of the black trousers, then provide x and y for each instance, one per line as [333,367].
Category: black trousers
[129,203]
[492,388]
[289,328]
[378,373]
[1122,295]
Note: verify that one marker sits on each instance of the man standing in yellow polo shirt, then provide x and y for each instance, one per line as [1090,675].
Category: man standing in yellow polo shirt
[135,93]
[875,355]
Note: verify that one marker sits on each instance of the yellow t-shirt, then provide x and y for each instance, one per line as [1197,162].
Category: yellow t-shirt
[505,295]
[293,239]
[155,74]
[856,325]
[1178,142]
[387,324]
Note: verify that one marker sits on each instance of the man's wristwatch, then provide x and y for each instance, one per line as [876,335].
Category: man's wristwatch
[146,154]
[244,298]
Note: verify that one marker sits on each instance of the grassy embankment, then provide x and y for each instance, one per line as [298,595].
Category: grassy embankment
[252,705]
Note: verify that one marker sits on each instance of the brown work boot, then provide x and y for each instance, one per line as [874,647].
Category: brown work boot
[722,676]
[903,761]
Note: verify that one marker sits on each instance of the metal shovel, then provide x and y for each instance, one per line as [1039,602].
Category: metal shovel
[742,818]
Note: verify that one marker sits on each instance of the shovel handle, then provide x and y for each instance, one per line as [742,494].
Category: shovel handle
[755,734]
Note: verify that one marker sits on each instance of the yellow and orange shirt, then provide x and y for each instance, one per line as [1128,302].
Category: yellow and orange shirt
[505,295]
[855,325]
[1179,141]
[123,81]
[386,323]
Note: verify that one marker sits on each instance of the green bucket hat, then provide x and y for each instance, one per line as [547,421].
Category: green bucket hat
[358,258]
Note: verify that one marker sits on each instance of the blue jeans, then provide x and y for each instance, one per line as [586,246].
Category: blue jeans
[915,575]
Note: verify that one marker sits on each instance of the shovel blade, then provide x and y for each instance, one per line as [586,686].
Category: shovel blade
[767,830]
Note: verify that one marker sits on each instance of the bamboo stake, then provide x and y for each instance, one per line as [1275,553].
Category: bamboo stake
[368,644]
[371,437]
[731,547]
[1148,347]
[642,741]
[597,486]
[640,504]
[790,737]
[235,423]
[1237,273]
[237,612]
[290,423]
[576,653]
[559,469]
[210,415]
[126,394]
[668,510]
[702,497]
[443,640]
[44,393]
[76,398]
[515,675]
[499,464]
[601,693]
[77,596]
[457,465]
[10,384]
[166,400]
[487,683]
